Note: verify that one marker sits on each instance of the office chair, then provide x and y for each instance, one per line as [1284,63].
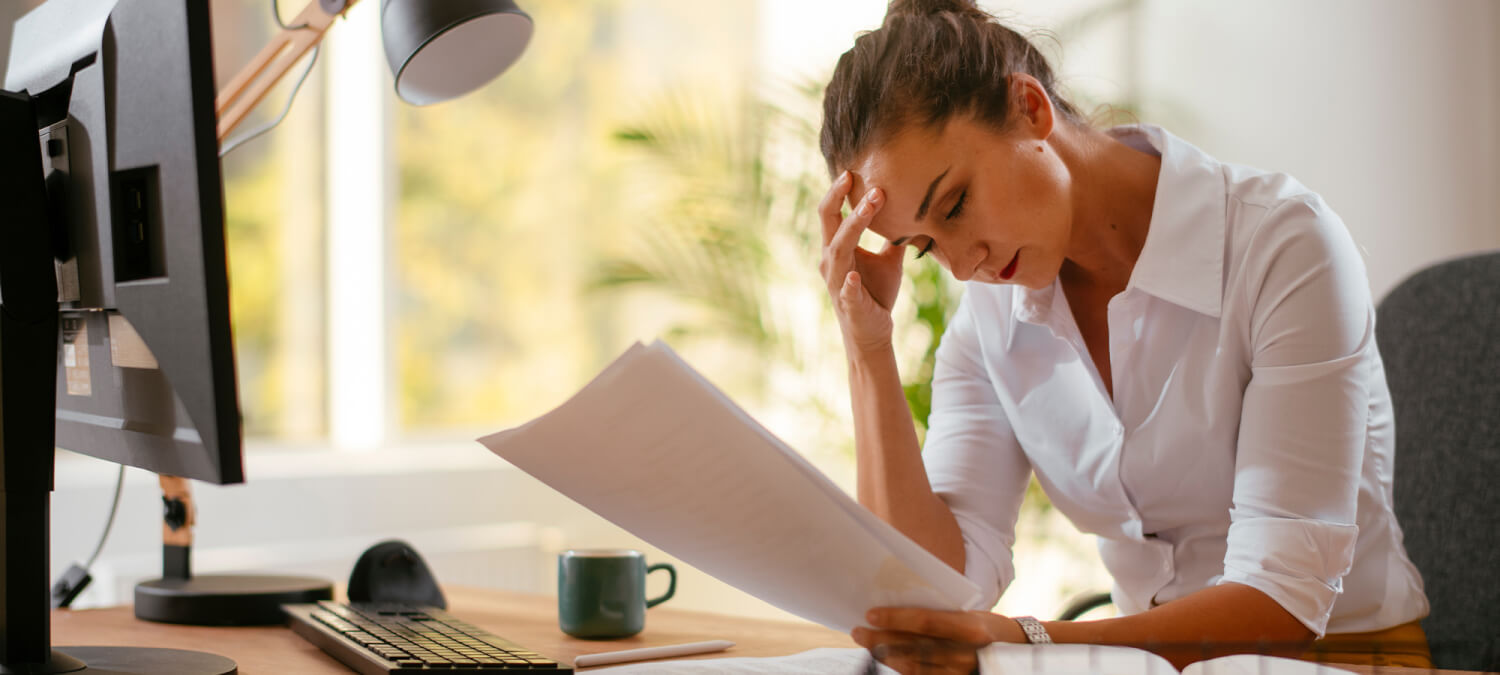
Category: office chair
[1439,332]
[1083,604]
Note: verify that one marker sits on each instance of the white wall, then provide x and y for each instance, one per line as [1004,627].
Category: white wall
[9,12]
[1388,108]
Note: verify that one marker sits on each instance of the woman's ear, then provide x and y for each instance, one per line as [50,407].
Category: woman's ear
[1033,106]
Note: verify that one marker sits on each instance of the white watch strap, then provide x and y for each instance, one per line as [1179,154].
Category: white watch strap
[1035,633]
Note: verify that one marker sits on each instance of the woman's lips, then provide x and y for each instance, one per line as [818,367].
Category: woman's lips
[1010,270]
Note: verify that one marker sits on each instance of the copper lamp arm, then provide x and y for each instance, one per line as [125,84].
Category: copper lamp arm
[247,88]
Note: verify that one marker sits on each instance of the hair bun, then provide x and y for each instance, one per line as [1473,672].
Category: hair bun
[926,7]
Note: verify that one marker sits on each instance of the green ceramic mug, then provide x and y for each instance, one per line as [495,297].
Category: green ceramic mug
[601,593]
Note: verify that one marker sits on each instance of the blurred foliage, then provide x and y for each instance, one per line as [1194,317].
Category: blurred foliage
[710,245]
[252,209]
[498,196]
[508,194]
[748,175]
[935,298]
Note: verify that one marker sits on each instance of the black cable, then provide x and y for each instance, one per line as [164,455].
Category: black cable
[252,135]
[76,578]
[109,522]
[276,14]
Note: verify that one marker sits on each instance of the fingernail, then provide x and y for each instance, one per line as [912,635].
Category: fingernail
[865,207]
[843,177]
[874,196]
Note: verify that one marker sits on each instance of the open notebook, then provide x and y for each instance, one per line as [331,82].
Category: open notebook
[651,446]
[1001,659]
[996,660]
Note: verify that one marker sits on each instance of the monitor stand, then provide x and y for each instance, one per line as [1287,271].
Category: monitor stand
[28,395]
[213,599]
[113,660]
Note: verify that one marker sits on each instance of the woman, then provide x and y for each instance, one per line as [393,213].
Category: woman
[1181,350]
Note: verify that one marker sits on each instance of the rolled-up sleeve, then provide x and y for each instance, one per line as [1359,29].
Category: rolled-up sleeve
[1303,424]
[972,457]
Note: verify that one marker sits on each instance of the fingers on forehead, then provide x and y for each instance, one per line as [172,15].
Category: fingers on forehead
[858,186]
[833,200]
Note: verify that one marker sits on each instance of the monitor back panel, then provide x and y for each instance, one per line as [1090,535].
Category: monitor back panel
[146,372]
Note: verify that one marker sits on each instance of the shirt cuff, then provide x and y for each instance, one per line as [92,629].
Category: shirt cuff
[988,566]
[1300,563]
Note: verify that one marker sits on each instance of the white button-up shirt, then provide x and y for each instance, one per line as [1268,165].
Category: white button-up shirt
[1249,438]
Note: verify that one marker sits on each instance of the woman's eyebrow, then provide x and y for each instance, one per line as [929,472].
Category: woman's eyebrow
[927,198]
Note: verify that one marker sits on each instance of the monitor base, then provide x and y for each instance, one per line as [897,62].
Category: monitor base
[127,661]
[226,600]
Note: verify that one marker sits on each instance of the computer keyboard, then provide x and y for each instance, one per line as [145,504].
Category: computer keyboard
[384,638]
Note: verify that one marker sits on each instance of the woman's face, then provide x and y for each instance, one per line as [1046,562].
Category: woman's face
[991,207]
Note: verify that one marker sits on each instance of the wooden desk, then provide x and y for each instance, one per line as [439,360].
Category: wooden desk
[530,620]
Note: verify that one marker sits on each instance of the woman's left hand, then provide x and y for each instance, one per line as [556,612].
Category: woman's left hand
[926,641]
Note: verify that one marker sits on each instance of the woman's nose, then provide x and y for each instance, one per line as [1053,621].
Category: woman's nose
[965,267]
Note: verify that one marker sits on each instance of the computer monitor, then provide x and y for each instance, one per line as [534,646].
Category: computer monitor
[114,298]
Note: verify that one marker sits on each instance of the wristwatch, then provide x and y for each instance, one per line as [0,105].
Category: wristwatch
[1035,633]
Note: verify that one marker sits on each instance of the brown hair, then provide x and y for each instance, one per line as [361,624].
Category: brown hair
[930,61]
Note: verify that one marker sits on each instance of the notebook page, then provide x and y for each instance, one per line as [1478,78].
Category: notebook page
[1014,659]
[648,446]
[1256,664]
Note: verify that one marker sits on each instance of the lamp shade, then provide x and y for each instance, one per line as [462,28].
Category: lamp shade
[443,49]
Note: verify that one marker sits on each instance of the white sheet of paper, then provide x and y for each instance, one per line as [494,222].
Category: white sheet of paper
[653,447]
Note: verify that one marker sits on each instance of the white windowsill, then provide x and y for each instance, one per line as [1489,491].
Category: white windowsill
[270,460]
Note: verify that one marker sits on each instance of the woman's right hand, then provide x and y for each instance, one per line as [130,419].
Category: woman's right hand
[862,285]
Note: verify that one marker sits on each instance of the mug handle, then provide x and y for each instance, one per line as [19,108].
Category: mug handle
[671,586]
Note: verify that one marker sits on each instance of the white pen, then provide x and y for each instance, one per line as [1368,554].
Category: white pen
[645,653]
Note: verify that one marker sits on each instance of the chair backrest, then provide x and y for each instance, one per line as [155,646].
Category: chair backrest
[1439,333]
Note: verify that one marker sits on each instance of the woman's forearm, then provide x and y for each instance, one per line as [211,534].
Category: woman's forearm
[1216,621]
[892,481]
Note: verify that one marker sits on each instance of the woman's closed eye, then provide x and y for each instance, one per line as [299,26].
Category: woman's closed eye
[958,208]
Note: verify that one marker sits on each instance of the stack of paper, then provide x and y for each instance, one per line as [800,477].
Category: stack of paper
[653,447]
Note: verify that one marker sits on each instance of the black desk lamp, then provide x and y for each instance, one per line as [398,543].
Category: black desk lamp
[437,49]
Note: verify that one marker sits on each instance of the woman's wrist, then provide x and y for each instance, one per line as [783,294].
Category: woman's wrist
[874,353]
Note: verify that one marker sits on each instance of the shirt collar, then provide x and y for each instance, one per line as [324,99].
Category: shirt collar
[1183,259]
